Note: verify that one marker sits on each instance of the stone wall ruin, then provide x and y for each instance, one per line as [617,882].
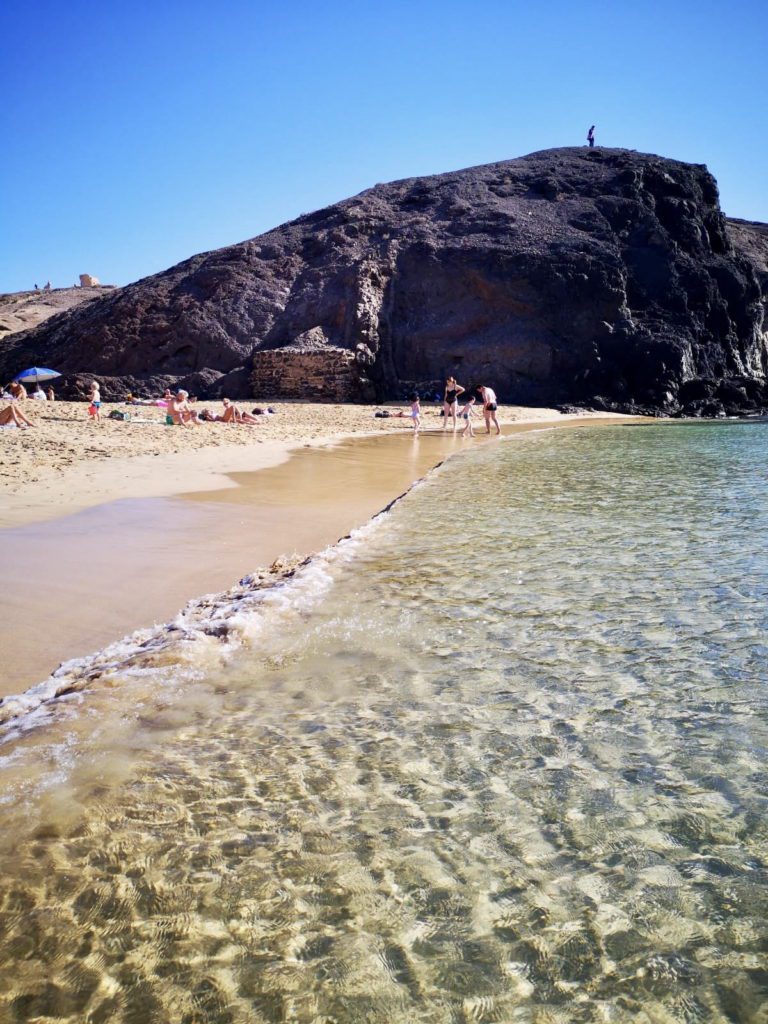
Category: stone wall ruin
[327,374]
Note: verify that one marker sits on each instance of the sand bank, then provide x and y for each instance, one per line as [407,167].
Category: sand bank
[96,542]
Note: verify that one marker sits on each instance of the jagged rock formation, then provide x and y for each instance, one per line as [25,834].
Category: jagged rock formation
[601,277]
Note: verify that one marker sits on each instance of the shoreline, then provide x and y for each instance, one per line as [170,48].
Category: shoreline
[110,461]
[176,525]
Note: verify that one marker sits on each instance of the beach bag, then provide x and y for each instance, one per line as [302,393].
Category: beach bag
[117,415]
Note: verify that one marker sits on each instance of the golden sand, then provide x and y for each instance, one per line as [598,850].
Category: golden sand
[64,439]
[95,540]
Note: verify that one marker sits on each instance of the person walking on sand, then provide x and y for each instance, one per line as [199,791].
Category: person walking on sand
[451,401]
[488,398]
[94,409]
[467,413]
[415,413]
[591,137]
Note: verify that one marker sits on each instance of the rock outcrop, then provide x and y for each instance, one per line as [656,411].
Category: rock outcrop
[602,277]
[20,311]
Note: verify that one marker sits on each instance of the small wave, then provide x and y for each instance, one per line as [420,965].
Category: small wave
[220,623]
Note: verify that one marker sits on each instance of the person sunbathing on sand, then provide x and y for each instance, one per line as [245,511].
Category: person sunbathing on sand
[234,414]
[12,416]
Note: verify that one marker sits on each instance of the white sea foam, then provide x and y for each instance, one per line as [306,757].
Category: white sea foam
[260,603]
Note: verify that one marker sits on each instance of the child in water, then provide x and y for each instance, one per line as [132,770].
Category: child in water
[466,414]
[415,413]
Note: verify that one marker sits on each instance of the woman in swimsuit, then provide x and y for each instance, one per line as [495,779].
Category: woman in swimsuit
[451,401]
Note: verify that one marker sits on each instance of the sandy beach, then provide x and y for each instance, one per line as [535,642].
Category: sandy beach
[68,463]
[105,528]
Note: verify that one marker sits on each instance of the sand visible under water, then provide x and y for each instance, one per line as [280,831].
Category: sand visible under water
[105,528]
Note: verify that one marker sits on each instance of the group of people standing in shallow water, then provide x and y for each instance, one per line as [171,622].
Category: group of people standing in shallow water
[451,407]
[466,412]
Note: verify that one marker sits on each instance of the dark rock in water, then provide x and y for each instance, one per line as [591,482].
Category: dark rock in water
[601,277]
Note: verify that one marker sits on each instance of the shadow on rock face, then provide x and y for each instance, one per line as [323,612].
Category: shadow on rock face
[594,277]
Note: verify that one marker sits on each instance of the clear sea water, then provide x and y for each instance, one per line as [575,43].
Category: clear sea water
[500,757]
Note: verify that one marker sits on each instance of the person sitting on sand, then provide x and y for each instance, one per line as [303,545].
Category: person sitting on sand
[51,395]
[39,395]
[12,416]
[17,390]
[179,412]
[234,414]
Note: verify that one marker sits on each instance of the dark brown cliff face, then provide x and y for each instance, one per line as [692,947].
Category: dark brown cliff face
[600,277]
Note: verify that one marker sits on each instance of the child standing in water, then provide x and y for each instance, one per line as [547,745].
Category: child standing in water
[466,414]
[415,413]
[94,409]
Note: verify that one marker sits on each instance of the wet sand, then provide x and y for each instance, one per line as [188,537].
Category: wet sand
[78,581]
[88,578]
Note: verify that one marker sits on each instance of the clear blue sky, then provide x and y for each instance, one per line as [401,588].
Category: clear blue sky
[136,134]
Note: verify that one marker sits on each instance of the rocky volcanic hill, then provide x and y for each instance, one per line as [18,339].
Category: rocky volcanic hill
[602,277]
[21,310]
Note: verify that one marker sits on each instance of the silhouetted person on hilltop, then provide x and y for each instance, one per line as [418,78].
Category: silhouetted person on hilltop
[591,137]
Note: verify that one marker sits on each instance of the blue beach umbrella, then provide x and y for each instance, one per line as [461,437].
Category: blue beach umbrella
[35,374]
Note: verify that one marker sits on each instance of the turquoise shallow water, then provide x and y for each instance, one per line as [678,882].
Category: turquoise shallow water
[501,757]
